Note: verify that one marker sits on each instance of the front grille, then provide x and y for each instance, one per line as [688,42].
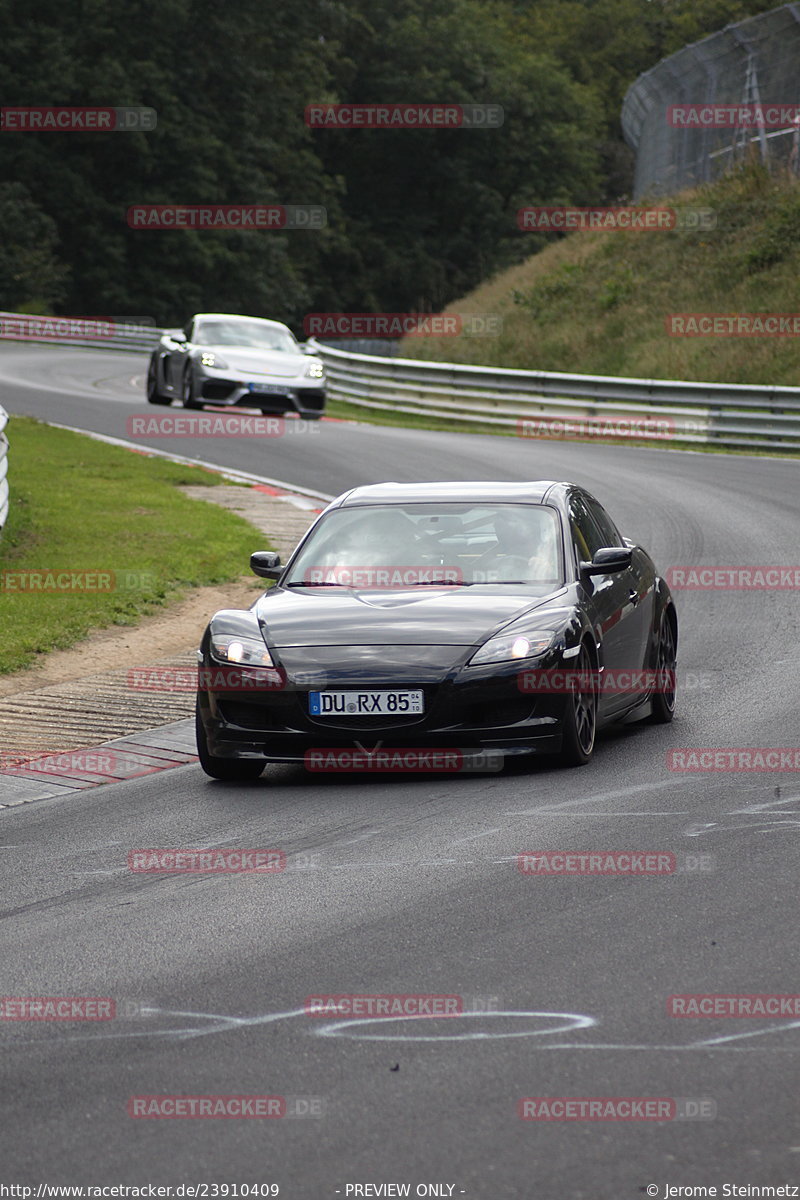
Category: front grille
[216,391]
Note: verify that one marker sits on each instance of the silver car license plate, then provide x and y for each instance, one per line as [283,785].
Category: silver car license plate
[266,388]
[366,704]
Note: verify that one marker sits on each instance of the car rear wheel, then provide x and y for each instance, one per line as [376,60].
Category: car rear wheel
[662,701]
[154,396]
[230,769]
[580,717]
[188,391]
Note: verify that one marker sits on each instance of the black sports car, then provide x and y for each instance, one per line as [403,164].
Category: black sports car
[439,619]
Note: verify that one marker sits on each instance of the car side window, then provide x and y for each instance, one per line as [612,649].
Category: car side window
[611,535]
[587,537]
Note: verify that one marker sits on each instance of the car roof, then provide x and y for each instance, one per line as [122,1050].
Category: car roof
[237,317]
[532,492]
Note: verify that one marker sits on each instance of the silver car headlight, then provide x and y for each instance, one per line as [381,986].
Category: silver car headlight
[315,369]
[209,359]
[248,651]
[510,646]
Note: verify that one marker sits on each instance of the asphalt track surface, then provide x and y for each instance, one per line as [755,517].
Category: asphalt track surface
[409,885]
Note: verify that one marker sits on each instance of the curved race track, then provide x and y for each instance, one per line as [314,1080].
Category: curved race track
[407,885]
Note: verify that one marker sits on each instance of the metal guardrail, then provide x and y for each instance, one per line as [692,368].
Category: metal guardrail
[97,333]
[3,468]
[723,414]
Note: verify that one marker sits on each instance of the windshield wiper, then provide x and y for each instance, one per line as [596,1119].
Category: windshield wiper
[322,583]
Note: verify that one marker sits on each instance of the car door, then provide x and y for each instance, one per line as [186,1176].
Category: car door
[611,610]
[642,578]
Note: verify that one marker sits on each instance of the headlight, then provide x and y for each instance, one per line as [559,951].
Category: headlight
[511,646]
[250,652]
[315,369]
[209,359]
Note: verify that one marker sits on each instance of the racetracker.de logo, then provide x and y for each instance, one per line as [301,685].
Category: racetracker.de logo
[234,425]
[230,1107]
[398,325]
[99,764]
[734,758]
[608,681]
[561,218]
[57,1008]
[51,119]
[222,861]
[351,1004]
[732,324]
[596,862]
[616,1108]
[733,579]
[732,116]
[758,1004]
[404,116]
[55,582]
[565,429]
[227,216]
[366,578]
[409,760]
[206,679]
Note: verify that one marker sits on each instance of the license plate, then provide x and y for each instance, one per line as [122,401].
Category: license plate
[267,388]
[365,704]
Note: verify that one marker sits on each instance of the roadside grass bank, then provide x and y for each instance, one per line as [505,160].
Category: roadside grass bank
[99,536]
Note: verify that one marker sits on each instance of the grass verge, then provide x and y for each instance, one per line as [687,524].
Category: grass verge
[79,505]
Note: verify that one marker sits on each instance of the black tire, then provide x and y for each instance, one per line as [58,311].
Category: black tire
[580,716]
[154,396]
[187,391]
[662,701]
[236,770]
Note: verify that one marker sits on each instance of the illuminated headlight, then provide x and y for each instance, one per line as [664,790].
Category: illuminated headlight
[315,369]
[250,652]
[512,646]
[208,359]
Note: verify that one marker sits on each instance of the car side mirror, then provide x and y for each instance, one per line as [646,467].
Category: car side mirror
[608,560]
[267,564]
[307,348]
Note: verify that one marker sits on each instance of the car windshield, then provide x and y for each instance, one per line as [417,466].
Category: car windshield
[245,333]
[433,544]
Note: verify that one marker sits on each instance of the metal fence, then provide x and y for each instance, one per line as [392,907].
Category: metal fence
[755,61]
[3,468]
[720,414]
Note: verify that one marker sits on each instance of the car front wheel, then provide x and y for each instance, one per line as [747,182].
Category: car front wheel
[229,769]
[189,400]
[580,716]
[154,396]
[662,701]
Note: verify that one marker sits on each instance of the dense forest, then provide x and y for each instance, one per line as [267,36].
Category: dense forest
[414,217]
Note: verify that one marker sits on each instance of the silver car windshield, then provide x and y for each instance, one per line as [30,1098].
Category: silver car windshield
[417,545]
[245,334]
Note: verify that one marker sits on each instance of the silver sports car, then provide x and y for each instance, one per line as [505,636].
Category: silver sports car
[226,360]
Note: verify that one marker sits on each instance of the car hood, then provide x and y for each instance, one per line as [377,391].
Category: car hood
[249,361]
[421,616]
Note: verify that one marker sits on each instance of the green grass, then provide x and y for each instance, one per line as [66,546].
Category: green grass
[80,505]
[596,303]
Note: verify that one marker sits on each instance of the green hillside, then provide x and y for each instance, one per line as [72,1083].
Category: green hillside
[597,302]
